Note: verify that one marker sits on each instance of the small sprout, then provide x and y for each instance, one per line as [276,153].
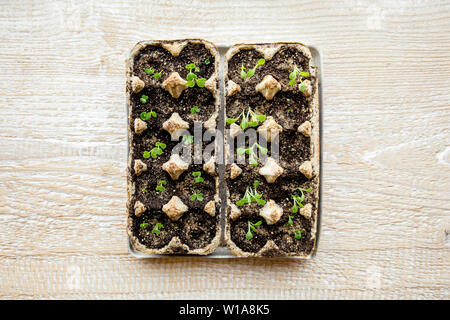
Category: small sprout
[299,199]
[192,78]
[207,61]
[157,229]
[144,98]
[290,222]
[160,186]
[147,115]
[252,227]
[144,225]
[146,154]
[157,150]
[252,152]
[197,177]
[293,77]
[195,109]
[157,75]
[297,202]
[196,196]
[243,73]
[249,119]
[201,82]
[187,139]
[292,149]
[288,111]
[252,195]
[144,190]
[251,72]
[298,233]
[149,71]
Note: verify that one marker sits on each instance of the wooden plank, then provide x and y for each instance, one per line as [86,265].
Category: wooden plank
[386,152]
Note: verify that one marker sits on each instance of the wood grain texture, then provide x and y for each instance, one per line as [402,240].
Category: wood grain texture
[386,150]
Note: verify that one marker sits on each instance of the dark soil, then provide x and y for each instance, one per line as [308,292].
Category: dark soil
[164,105]
[289,108]
[195,228]
[162,60]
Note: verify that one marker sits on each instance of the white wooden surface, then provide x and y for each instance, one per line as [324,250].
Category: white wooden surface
[386,151]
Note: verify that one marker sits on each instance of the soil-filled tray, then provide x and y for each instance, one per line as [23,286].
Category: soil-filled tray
[173,204]
[273,156]
[280,218]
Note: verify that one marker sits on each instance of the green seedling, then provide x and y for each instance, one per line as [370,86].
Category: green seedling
[157,150]
[249,119]
[196,196]
[252,227]
[144,98]
[250,73]
[143,225]
[151,71]
[160,186]
[188,139]
[157,229]
[299,199]
[195,109]
[252,152]
[207,61]
[144,190]
[298,233]
[147,115]
[252,195]
[192,78]
[197,177]
[157,75]
[293,77]
[290,222]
